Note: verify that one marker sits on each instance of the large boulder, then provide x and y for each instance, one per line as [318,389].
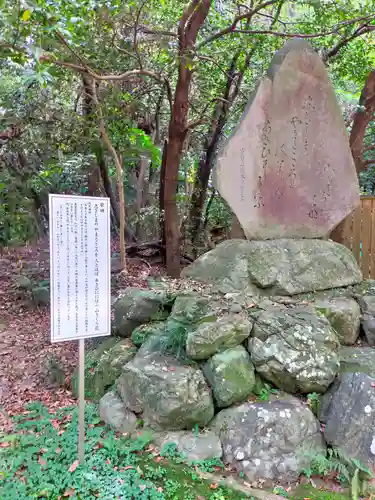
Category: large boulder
[357,359]
[170,395]
[276,267]
[269,440]
[210,337]
[193,446]
[367,303]
[136,307]
[231,376]
[295,348]
[114,413]
[287,169]
[348,411]
[103,365]
[344,315]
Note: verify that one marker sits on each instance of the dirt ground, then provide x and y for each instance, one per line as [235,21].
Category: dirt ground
[25,347]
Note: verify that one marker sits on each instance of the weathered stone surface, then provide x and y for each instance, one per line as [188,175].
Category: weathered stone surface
[348,410]
[144,332]
[136,307]
[231,376]
[41,296]
[114,413]
[23,283]
[357,359]
[171,395]
[268,440]
[194,447]
[104,365]
[192,307]
[211,337]
[276,267]
[344,316]
[294,174]
[367,303]
[295,349]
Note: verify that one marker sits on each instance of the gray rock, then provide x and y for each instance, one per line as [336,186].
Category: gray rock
[195,447]
[136,307]
[295,349]
[269,440]
[23,283]
[103,365]
[367,304]
[192,308]
[357,359]
[142,333]
[211,337]
[41,296]
[114,413]
[171,395]
[276,267]
[348,410]
[344,316]
[231,376]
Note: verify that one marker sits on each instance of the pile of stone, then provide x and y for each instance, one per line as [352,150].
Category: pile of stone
[284,307]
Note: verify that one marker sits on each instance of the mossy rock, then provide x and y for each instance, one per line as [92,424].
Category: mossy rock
[144,332]
[103,366]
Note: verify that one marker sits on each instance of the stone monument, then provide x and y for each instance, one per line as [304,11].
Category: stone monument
[287,170]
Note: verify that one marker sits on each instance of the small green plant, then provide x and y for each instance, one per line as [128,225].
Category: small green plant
[266,391]
[174,342]
[349,471]
[279,490]
[313,400]
[209,465]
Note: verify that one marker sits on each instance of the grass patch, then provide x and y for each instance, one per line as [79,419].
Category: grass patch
[304,492]
[39,461]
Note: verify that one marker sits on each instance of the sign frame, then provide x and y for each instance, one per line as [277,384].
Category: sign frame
[55,197]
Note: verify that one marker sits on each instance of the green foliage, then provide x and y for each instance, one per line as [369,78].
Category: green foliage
[313,400]
[350,471]
[38,460]
[266,391]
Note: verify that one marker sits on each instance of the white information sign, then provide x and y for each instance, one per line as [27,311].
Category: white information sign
[80,267]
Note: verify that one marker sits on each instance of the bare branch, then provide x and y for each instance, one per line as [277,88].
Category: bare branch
[236,20]
[135,45]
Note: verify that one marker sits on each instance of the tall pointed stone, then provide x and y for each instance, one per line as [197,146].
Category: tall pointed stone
[287,169]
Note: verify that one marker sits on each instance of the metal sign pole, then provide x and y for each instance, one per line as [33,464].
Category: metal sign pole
[81,402]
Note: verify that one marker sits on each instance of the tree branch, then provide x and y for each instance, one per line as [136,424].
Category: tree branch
[236,20]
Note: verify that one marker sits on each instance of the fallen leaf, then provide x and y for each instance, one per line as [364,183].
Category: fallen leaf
[213,486]
[74,465]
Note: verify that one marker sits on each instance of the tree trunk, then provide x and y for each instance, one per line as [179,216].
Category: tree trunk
[161,199]
[191,21]
[129,235]
[88,106]
[362,118]
[218,121]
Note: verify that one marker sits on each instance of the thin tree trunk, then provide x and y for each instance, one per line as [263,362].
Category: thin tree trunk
[362,118]
[129,235]
[119,174]
[161,199]
[191,21]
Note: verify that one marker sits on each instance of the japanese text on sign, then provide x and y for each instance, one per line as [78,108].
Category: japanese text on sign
[80,267]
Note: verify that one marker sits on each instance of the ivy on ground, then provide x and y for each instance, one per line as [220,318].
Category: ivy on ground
[39,460]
